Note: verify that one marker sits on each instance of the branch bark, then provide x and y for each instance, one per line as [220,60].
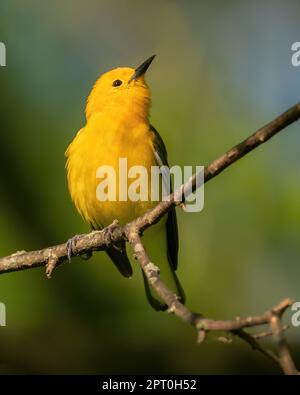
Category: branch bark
[99,240]
[271,317]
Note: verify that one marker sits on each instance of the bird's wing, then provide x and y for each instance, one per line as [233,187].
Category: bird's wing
[160,152]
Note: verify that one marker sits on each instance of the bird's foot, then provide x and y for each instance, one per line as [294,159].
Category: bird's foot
[71,246]
[108,231]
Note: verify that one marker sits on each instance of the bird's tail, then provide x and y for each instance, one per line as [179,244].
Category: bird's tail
[117,254]
[154,300]
[156,240]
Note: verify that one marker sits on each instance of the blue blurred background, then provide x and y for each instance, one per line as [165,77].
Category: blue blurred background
[222,70]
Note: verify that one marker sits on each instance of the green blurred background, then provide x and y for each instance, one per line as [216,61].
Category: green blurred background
[222,70]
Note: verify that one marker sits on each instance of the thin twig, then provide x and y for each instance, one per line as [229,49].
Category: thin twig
[285,358]
[251,340]
[263,335]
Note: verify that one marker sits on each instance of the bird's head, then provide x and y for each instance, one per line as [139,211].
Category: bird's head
[121,89]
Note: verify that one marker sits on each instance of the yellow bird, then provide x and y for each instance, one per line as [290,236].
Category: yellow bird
[117,126]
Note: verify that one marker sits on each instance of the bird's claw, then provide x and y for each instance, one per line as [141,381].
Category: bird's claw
[71,246]
[71,243]
[108,231]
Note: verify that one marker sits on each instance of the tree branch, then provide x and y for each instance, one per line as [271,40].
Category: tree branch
[99,240]
[285,359]
[203,325]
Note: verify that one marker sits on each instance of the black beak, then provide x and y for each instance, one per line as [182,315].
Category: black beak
[141,70]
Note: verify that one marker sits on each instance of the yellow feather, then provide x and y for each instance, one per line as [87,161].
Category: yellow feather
[101,143]
[117,126]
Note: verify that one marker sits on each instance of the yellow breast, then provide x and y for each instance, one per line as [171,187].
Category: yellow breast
[102,142]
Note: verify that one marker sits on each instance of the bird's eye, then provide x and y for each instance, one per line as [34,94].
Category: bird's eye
[117,83]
